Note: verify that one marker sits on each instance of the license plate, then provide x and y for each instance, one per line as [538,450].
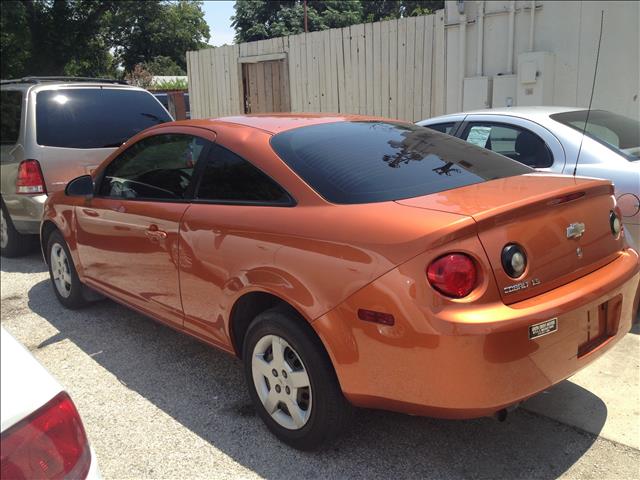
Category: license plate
[543,328]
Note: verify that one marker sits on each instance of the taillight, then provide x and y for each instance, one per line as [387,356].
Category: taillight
[30,179]
[50,444]
[453,275]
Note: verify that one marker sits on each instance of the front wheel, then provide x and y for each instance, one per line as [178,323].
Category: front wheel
[292,382]
[63,274]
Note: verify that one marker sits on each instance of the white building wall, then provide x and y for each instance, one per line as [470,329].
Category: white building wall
[567,29]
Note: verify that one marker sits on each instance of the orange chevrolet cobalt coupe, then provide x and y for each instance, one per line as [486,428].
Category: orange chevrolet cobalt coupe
[351,261]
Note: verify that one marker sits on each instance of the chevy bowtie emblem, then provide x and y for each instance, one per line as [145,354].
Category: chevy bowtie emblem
[575,230]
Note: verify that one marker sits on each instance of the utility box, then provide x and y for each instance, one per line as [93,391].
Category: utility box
[535,78]
[477,93]
[504,91]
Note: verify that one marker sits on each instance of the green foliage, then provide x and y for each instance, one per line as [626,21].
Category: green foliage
[162,65]
[15,41]
[77,37]
[261,19]
[143,30]
[176,84]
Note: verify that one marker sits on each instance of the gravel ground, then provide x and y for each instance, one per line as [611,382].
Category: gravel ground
[157,404]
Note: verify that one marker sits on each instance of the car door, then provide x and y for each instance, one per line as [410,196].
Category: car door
[127,234]
[222,246]
[517,138]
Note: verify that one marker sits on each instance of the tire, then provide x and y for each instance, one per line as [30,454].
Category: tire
[304,417]
[67,287]
[12,243]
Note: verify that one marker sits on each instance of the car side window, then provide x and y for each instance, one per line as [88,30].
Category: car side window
[155,168]
[228,178]
[442,127]
[11,113]
[514,142]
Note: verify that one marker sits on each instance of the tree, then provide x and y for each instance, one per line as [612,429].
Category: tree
[41,37]
[93,38]
[163,66]
[143,30]
[262,19]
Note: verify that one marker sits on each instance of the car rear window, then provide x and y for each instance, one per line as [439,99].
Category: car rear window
[363,162]
[11,105]
[94,117]
[620,134]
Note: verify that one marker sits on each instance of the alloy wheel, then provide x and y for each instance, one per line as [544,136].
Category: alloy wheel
[282,382]
[60,270]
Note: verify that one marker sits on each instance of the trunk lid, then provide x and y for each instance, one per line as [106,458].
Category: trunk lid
[535,211]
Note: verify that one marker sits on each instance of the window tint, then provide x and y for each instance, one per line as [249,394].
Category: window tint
[94,117]
[516,143]
[620,134]
[158,167]
[229,178]
[11,106]
[360,162]
[442,127]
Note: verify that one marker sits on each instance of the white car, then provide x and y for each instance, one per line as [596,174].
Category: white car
[42,433]
[549,139]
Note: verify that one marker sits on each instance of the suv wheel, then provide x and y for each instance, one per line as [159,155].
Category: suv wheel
[292,382]
[12,243]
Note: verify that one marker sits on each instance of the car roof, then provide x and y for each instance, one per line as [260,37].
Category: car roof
[532,113]
[279,122]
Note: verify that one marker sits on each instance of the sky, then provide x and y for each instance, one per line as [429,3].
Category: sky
[217,14]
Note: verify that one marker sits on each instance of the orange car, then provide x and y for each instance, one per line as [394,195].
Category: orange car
[351,261]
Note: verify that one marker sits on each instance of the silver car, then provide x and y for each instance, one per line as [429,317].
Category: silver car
[53,130]
[549,139]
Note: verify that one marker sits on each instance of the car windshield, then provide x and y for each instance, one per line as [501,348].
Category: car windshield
[94,117]
[362,162]
[620,134]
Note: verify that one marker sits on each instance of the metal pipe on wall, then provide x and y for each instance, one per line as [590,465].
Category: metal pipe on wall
[462,56]
[512,24]
[480,46]
[532,24]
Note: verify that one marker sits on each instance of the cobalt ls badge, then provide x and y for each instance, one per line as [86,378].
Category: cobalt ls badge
[543,328]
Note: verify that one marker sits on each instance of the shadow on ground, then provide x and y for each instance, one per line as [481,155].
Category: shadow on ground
[31,263]
[204,390]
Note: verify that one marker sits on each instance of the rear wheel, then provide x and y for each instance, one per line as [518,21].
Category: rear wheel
[12,243]
[64,278]
[292,382]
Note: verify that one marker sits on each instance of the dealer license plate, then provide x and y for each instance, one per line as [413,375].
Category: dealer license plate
[543,328]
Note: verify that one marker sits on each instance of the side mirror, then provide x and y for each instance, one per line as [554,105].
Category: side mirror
[80,187]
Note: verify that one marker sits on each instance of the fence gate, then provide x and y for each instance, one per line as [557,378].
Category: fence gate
[265,85]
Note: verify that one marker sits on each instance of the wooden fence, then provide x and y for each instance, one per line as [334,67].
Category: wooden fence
[394,68]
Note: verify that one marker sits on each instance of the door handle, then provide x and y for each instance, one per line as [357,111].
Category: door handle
[90,213]
[154,233]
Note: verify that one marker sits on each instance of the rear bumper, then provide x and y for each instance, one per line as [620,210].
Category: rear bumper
[466,362]
[25,211]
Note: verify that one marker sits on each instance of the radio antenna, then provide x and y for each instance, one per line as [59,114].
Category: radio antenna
[593,87]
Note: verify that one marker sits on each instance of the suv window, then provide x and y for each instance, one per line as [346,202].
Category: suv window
[361,162]
[229,178]
[158,167]
[516,143]
[11,112]
[94,117]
